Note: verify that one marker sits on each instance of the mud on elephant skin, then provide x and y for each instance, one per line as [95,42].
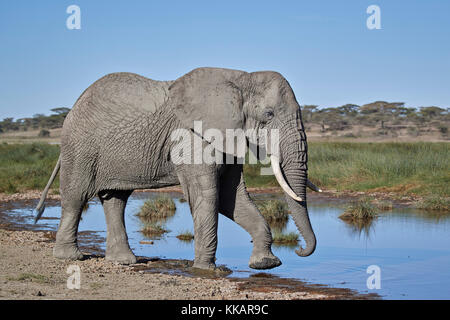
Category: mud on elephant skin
[117,138]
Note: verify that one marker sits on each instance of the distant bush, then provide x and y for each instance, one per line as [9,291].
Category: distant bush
[349,135]
[52,121]
[443,129]
[44,133]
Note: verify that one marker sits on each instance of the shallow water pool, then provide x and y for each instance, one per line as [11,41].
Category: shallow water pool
[411,248]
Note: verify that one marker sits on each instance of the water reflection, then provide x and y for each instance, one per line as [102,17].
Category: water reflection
[278,226]
[358,227]
[432,216]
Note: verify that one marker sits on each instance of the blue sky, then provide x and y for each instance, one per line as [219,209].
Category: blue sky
[323,48]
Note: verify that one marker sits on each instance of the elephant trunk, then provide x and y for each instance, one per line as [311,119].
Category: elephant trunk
[298,180]
[293,154]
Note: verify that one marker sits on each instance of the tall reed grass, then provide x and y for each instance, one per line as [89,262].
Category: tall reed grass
[26,166]
[422,168]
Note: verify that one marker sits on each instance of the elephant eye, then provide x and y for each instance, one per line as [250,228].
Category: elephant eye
[268,115]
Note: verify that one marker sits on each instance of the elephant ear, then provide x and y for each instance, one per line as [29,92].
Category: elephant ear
[208,95]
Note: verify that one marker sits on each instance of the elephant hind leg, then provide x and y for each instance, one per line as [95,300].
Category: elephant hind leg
[66,246]
[117,247]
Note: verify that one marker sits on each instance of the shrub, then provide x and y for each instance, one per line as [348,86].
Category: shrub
[274,211]
[361,209]
[435,202]
[44,133]
[285,239]
[186,236]
[443,129]
[157,209]
[151,229]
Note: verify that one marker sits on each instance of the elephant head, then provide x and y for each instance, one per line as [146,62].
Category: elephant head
[229,99]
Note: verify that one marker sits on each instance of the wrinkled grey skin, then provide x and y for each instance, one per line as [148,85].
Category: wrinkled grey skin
[117,139]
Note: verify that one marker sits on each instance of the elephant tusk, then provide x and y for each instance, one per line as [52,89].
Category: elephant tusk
[281,181]
[312,186]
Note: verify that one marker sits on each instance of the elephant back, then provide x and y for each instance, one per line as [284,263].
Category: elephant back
[124,90]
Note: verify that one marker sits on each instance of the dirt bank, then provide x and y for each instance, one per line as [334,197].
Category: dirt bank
[328,195]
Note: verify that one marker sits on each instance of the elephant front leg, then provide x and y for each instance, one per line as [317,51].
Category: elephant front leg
[247,215]
[236,204]
[202,195]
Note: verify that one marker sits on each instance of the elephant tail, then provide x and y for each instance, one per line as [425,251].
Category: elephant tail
[41,206]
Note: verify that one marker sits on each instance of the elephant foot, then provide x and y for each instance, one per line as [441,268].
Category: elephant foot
[204,265]
[209,269]
[120,255]
[264,262]
[67,252]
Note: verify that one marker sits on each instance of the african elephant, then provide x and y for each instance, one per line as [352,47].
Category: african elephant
[116,139]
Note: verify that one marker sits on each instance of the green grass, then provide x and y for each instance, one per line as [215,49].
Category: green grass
[285,239]
[30,277]
[420,168]
[160,208]
[274,210]
[435,202]
[26,166]
[185,236]
[253,177]
[361,209]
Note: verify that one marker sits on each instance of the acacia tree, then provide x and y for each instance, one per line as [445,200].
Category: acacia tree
[432,112]
[308,111]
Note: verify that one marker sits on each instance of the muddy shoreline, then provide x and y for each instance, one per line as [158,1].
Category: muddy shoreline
[339,197]
[29,271]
